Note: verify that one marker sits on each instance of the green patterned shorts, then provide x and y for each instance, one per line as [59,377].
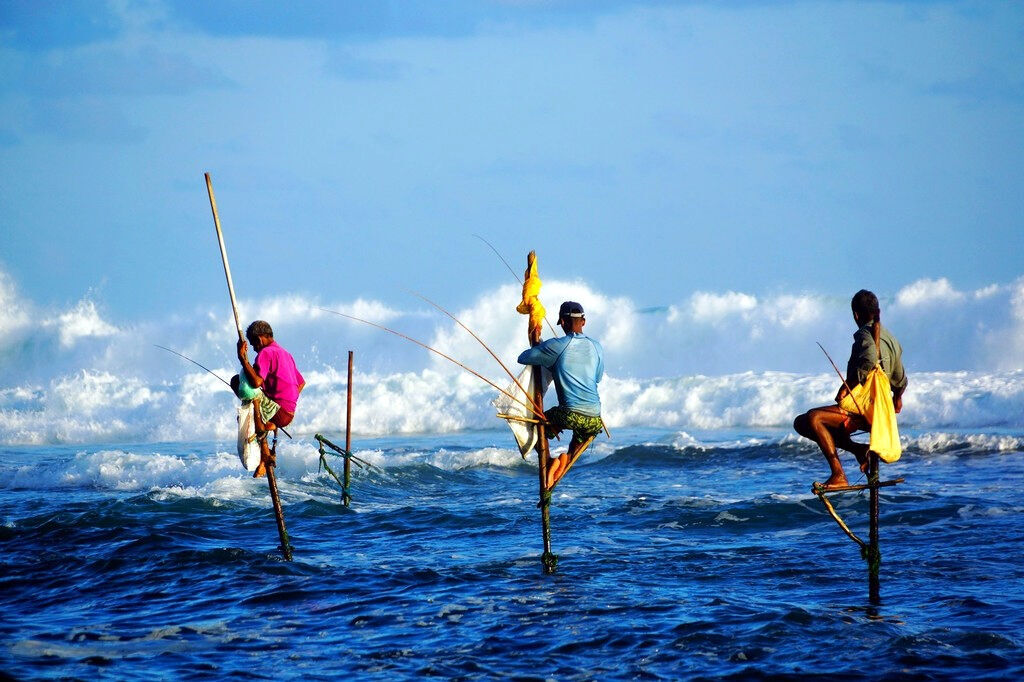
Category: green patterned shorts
[582,425]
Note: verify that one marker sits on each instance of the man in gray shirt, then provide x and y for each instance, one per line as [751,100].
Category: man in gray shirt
[831,426]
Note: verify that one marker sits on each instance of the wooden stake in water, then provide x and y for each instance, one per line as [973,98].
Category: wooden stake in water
[548,559]
[271,477]
[874,554]
[345,497]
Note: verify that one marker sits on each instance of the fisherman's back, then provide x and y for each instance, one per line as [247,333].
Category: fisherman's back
[577,363]
[280,375]
[864,356]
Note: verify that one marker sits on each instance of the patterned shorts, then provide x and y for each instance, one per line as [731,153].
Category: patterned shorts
[582,425]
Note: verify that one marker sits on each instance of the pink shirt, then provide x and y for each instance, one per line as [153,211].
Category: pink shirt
[281,378]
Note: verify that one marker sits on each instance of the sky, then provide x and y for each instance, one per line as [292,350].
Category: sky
[651,150]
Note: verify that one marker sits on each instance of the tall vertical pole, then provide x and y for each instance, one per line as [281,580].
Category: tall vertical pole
[223,254]
[345,497]
[548,559]
[874,554]
[286,547]
[271,478]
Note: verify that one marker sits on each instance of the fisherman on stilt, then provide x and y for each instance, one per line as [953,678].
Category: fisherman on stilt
[273,383]
[577,366]
[832,425]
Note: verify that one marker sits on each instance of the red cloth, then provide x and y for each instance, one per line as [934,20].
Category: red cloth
[282,418]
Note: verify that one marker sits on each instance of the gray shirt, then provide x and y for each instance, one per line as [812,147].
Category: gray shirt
[864,355]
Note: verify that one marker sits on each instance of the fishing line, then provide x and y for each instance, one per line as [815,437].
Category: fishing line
[481,341]
[514,274]
[532,408]
[185,357]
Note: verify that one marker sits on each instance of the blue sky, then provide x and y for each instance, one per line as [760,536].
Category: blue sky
[650,149]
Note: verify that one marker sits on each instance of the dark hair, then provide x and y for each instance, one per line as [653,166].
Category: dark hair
[259,328]
[865,304]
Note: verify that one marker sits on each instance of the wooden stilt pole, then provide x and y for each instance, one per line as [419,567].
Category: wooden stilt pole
[548,558]
[345,497]
[874,556]
[282,532]
[271,478]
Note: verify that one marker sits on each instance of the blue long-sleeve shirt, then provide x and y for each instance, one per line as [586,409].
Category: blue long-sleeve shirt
[577,365]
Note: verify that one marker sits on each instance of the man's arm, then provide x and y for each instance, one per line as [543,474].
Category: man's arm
[544,354]
[863,358]
[899,377]
[254,379]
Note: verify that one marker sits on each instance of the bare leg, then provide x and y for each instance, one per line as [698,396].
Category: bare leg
[266,458]
[859,450]
[556,468]
[561,465]
[825,425]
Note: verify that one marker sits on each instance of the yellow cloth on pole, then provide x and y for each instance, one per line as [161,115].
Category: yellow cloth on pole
[873,399]
[530,304]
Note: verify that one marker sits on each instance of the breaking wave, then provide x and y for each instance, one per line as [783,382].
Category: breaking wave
[714,360]
[99,407]
[190,471]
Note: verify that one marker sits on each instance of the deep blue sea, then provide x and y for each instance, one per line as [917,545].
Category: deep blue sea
[682,555]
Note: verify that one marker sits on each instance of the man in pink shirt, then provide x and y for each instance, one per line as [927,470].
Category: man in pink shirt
[275,372]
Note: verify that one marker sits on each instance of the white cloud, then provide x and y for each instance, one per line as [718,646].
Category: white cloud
[80,322]
[295,309]
[709,307]
[986,292]
[790,311]
[928,291]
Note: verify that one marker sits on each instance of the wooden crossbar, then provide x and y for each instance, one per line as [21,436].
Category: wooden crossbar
[819,488]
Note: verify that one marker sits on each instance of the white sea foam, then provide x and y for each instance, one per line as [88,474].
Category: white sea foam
[711,360]
[218,475]
[102,408]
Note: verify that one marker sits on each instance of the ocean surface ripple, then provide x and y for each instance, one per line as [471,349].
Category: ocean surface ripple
[681,555]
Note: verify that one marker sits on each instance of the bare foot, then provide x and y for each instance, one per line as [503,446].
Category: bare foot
[835,482]
[554,469]
[267,459]
[552,475]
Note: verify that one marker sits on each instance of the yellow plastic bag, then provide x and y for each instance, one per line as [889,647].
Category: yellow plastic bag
[530,304]
[873,399]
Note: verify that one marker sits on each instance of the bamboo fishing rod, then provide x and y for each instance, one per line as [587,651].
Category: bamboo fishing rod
[185,357]
[514,274]
[434,350]
[480,341]
[282,532]
[226,383]
[849,390]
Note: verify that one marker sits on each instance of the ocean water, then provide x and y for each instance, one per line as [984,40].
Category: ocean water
[133,546]
[682,554]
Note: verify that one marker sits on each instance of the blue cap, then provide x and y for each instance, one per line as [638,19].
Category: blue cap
[570,309]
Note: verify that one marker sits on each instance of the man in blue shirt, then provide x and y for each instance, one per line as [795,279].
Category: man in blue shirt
[577,365]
